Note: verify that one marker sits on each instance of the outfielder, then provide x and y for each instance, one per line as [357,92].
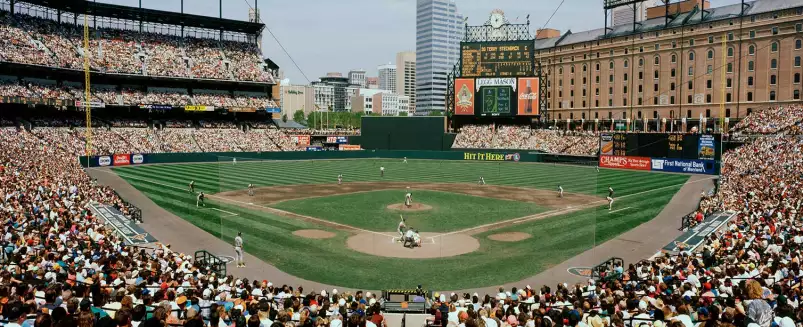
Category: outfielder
[405,160]
[250,189]
[560,190]
[339,179]
[238,250]
[234,160]
[381,171]
[610,197]
[481,181]
[200,200]
[401,228]
[597,168]
[192,186]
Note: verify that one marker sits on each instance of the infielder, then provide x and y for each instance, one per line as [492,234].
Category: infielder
[339,179]
[192,186]
[381,171]
[250,189]
[200,200]
[238,250]
[401,228]
[481,181]
[610,197]
[560,190]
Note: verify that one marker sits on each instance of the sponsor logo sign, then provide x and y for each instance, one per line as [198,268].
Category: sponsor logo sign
[137,159]
[491,156]
[314,148]
[337,139]
[606,144]
[623,162]
[349,147]
[684,166]
[104,161]
[496,82]
[92,104]
[705,147]
[242,109]
[199,108]
[122,159]
[464,96]
[300,139]
[128,230]
[274,110]
[155,106]
[528,96]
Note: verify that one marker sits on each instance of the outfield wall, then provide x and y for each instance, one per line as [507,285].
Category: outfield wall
[125,159]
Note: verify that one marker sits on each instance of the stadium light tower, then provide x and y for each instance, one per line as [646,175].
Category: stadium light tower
[87,97]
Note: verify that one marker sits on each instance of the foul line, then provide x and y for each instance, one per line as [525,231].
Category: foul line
[617,210]
[269,209]
[567,210]
[231,214]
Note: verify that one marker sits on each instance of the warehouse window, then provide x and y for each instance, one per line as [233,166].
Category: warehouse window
[772,95]
[710,54]
[749,96]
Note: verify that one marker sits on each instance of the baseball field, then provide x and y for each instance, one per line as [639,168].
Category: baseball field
[302,221]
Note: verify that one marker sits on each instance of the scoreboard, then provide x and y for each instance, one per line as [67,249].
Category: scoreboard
[497,59]
[661,145]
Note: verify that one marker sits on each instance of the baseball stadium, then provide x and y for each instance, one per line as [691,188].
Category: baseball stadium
[151,174]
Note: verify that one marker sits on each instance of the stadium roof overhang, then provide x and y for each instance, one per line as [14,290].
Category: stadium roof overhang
[150,15]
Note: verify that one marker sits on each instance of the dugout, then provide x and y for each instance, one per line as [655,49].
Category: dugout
[405,133]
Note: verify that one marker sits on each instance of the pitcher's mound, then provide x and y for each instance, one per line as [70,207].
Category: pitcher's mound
[509,237]
[433,245]
[313,233]
[413,207]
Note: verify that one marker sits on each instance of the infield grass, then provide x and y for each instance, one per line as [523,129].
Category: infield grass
[329,261]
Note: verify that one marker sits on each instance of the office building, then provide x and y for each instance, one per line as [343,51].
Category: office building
[387,77]
[439,29]
[357,77]
[405,76]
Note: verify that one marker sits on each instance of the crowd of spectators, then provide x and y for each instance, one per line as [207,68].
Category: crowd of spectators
[525,138]
[34,40]
[131,97]
[62,267]
[770,120]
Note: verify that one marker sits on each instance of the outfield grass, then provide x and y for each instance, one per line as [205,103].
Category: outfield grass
[449,211]
[329,261]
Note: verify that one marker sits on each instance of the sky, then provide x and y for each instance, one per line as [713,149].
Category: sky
[339,35]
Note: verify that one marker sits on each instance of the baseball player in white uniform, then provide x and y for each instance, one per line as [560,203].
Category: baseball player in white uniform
[560,190]
[192,186]
[401,228]
[405,160]
[250,189]
[339,179]
[481,181]
[200,200]
[234,160]
[408,199]
[610,197]
[597,168]
[381,171]
[238,250]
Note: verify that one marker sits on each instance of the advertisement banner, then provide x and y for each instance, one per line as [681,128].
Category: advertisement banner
[349,147]
[622,162]
[137,159]
[104,161]
[490,156]
[155,106]
[92,104]
[122,159]
[606,144]
[684,166]
[464,96]
[337,139]
[199,108]
[528,96]
[241,109]
[274,110]
[314,148]
[300,139]
[705,147]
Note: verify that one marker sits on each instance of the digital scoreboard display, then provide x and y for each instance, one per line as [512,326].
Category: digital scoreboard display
[497,59]
[496,100]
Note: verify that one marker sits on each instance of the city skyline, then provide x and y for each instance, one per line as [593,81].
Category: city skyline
[382,27]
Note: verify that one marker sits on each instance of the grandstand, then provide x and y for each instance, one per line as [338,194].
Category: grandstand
[62,265]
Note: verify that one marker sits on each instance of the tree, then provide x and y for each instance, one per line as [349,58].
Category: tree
[298,117]
[284,118]
[435,113]
[403,113]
